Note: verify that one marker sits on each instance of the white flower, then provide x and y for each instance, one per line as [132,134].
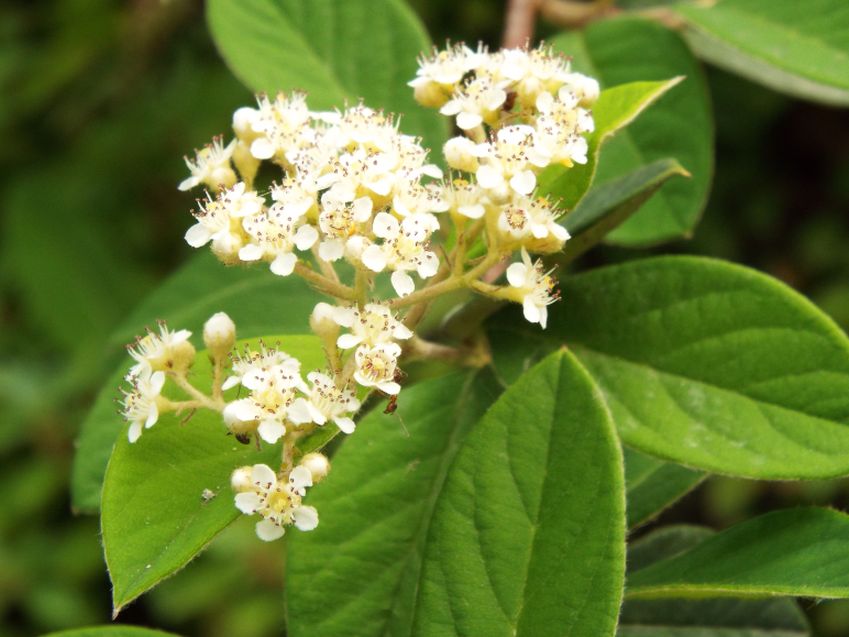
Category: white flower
[371,325]
[139,405]
[376,367]
[264,411]
[585,88]
[364,128]
[461,154]
[560,128]
[166,351]
[274,235]
[476,103]
[277,501]
[282,125]
[440,74]
[466,199]
[325,401]
[412,198]
[211,166]
[526,218]
[509,159]
[265,368]
[404,248]
[533,72]
[534,288]
[339,221]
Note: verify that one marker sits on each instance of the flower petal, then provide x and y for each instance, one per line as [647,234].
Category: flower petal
[271,431]
[284,264]
[247,502]
[306,518]
[402,282]
[267,531]
[517,274]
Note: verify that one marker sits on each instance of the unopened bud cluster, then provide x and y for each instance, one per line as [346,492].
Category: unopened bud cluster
[352,188]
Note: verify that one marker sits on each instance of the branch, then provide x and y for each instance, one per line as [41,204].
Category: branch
[519,23]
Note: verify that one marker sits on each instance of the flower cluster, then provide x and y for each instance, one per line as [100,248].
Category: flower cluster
[358,209]
[353,188]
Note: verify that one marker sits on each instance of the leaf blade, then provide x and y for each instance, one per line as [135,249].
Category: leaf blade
[326,568]
[799,49]
[796,552]
[679,125]
[470,584]
[336,51]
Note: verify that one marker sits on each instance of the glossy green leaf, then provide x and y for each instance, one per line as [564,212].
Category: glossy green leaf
[357,573]
[616,108]
[799,48]
[336,51]
[795,552]
[111,631]
[705,617]
[154,519]
[679,126]
[708,364]
[606,206]
[529,532]
[652,485]
[258,301]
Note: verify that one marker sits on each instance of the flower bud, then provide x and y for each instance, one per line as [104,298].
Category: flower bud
[460,154]
[182,357]
[219,334]
[317,464]
[243,119]
[430,94]
[240,479]
[321,321]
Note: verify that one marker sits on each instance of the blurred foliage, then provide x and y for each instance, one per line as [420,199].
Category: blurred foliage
[101,100]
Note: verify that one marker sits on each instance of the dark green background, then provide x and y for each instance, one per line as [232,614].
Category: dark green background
[100,102]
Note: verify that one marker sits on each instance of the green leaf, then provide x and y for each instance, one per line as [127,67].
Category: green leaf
[357,573]
[153,518]
[608,205]
[679,126]
[702,618]
[113,630]
[708,364]
[336,51]
[798,552]
[652,485]
[257,300]
[616,108]
[798,48]
[529,532]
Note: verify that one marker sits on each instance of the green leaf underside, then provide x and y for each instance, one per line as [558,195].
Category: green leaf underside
[799,48]
[257,300]
[679,125]
[154,519]
[706,617]
[320,47]
[616,108]
[652,485]
[111,631]
[528,536]
[794,552]
[608,205]
[357,573]
[709,364]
